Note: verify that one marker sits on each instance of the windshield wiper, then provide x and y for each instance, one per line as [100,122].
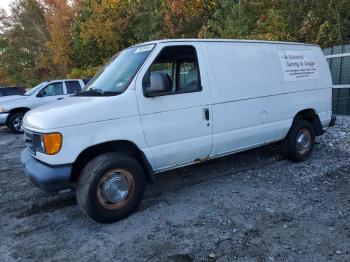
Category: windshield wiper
[96,90]
[92,91]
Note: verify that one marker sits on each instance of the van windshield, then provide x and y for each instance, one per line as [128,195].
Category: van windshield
[117,74]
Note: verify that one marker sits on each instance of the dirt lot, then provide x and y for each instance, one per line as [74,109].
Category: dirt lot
[253,206]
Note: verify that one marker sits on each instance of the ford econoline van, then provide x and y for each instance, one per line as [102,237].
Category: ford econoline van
[166,104]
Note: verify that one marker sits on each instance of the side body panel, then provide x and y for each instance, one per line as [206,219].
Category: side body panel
[252,102]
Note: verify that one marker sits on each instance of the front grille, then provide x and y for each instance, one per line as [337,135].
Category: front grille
[29,140]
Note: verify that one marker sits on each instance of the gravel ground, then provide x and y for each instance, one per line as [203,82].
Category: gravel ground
[252,206]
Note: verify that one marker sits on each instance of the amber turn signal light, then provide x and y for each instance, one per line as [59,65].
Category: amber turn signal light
[52,143]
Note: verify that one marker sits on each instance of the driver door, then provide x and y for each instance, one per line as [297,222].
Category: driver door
[177,125]
[52,92]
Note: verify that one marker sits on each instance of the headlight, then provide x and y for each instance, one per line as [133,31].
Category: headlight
[2,109]
[49,144]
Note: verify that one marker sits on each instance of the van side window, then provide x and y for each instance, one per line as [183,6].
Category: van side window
[73,87]
[180,65]
[54,89]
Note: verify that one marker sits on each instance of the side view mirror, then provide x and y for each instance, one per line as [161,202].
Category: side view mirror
[41,93]
[156,84]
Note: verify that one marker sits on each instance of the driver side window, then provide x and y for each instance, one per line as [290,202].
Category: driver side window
[174,71]
[54,89]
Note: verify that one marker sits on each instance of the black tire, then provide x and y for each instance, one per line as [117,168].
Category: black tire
[89,187]
[290,146]
[12,122]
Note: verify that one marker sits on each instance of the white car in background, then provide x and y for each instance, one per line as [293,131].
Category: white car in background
[13,108]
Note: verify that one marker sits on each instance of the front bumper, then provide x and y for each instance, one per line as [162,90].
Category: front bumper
[3,118]
[48,178]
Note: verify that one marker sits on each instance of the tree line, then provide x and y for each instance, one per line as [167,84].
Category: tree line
[49,39]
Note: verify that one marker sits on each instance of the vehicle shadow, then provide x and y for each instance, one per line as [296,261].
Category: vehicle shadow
[180,178]
[170,181]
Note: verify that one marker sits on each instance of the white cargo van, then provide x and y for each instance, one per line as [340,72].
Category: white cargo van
[166,104]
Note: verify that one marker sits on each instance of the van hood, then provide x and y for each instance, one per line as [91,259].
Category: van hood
[79,110]
[11,98]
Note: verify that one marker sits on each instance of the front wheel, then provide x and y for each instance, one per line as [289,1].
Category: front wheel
[15,122]
[300,141]
[110,187]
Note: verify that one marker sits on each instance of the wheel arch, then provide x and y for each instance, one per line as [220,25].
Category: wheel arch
[16,110]
[310,115]
[121,146]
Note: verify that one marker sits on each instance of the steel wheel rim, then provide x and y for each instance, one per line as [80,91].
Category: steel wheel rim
[115,188]
[17,123]
[303,141]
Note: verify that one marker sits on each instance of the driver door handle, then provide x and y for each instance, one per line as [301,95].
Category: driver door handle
[59,98]
[206,114]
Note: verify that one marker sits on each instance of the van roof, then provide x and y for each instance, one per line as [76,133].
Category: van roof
[224,40]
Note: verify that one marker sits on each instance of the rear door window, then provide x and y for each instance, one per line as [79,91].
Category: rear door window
[73,87]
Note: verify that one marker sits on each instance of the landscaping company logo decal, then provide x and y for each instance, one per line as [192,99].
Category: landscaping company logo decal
[298,65]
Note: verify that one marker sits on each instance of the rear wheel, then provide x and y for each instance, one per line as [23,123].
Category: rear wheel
[110,187]
[300,141]
[15,122]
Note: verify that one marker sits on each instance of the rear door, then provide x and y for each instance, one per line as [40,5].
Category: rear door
[177,125]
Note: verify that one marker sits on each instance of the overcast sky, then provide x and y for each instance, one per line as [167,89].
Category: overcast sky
[5,4]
